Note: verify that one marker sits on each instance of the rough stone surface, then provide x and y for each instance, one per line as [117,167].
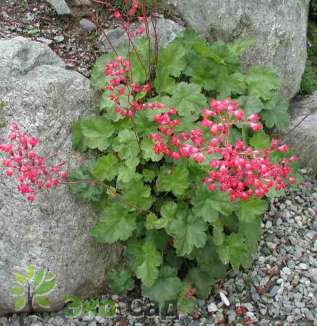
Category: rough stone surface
[60,6]
[44,98]
[279,27]
[302,133]
[167,31]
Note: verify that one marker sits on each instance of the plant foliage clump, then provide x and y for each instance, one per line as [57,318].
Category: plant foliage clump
[180,236]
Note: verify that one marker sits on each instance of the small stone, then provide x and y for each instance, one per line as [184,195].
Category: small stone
[251,316]
[87,25]
[311,235]
[290,319]
[115,297]
[274,291]
[313,274]
[4,321]
[58,321]
[298,219]
[286,271]
[248,306]
[224,299]
[212,307]
[309,315]
[59,38]
[44,40]
[219,319]
[303,266]
[268,224]
[232,316]
[263,312]
[100,320]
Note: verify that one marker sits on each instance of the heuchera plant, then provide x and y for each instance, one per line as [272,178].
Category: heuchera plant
[184,167]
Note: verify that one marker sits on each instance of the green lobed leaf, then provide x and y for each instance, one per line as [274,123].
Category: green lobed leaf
[137,195]
[189,232]
[252,233]
[139,60]
[261,81]
[203,205]
[105,103]
[207,203]
[239,46]
[175,180]
[148,152]
[144,122]
[166,288]
[151,221]
[82,185]
[116,223]
[149,174]
[218,231]
[120,280]
[185,304]
[230,85]
[208,260]
[235,250]
[188,100]
[248,210]
[276,114]
[250,104]
[260,140]
[171,59]
[105,168]
[126,145]
[146,261]
[201,281]
[96,132]
[171,63]
[127,171]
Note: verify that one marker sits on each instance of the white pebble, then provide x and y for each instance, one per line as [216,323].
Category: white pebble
[303,266]
[212,307]
[224,299]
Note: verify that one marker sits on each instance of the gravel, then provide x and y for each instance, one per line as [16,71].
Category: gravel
[281,286]
[73,38]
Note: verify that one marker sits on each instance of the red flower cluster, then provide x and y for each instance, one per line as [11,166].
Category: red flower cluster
[238,169]
[21,160]
[119,85]
[125,21]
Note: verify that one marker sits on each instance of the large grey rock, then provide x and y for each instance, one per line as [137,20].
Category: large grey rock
[167,31]
[279,27]
[302,133]
[44,99]
[60,6]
